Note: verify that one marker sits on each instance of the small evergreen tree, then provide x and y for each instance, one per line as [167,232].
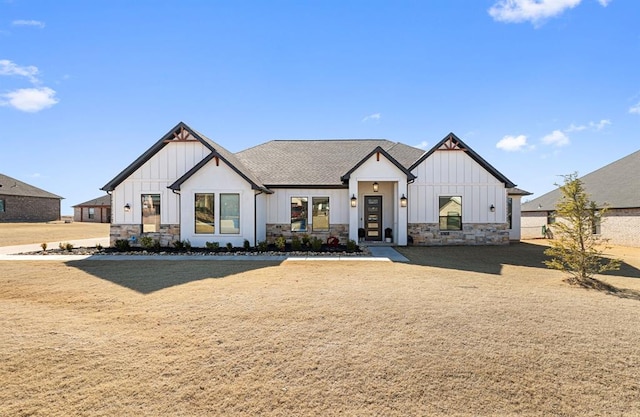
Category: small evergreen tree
[575,249]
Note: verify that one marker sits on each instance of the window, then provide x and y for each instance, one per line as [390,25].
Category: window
[551,217]
[230,213]
[1,206]
[150,213]
[450,213]
[204,220]
[320,214]
[92,213]
[595,222]
[299,214]
[510,212]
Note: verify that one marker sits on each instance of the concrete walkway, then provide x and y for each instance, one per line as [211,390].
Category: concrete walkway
[11,253]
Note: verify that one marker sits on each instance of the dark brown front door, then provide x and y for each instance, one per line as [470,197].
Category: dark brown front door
[373,218]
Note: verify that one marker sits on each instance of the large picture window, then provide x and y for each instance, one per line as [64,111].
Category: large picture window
[204,220]
[450,213]
[150,213]
[230,213]
[320,214]
[299,210]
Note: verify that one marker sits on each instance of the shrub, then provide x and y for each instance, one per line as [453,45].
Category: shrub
[122,245]
[229,246]
[186,244]
[146,241]
[306,241]
[212,245]
[296,244]
[98,246]
[316,244]
[281,243]
[263,246]
[66,246]
[178,244]
[351,245]
[43,246]
[246,245]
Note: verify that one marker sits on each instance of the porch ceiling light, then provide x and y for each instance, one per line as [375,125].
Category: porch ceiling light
[354,200]
[127,207]
[403,201]
[375,187]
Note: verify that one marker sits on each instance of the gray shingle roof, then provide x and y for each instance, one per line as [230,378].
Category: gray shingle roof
[316,162]
[104,201]
[12,186]
[616,184]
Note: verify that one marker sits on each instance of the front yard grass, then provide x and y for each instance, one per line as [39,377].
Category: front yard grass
[457,333]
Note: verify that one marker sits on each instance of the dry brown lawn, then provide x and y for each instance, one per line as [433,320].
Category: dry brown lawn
[460,331]
[26,233]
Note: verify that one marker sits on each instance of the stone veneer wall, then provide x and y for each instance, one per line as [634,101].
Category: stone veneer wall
[429,234]
[167,235]
[341,231]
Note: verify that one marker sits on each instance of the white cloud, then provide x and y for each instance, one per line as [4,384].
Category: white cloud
[635,109]
[34,23]
[512,143]
[600,125]
[422,145]
[515,11]
[30,100]
[604,3]
[10,68]
[374,116]
[556,138]
[591,125]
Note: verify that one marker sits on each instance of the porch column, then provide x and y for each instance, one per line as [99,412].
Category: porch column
[353,211]
[401,234]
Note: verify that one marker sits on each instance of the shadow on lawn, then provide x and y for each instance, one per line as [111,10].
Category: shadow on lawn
[490,259]
[147,277]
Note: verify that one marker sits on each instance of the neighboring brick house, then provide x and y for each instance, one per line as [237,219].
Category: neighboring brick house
[97,210]
[616,185]
[21,202]
[187,187]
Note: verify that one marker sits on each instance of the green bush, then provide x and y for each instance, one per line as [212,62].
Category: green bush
[263,246]
[65,246]
[281,243]
[146,242]
[186,244]
[212,245]
[229,246]
[316,244]
[98,246]
[306,241]
[122,245]
[178,244]
[296,244]
[246,244]
[352,246]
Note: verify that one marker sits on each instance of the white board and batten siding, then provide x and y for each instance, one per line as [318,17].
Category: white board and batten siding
[153,177]
[217,179]
[278,204]
[454,173]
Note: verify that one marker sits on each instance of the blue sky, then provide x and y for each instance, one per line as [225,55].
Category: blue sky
[539,88]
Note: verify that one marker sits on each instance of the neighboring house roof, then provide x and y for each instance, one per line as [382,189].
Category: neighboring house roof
[286,163]
[182,132]
[14,187]
[452,142]
[616,185]
[103,201]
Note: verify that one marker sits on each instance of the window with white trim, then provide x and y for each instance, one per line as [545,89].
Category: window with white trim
[450,212]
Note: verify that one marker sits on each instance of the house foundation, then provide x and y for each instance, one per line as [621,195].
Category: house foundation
[275,230]
[167,234]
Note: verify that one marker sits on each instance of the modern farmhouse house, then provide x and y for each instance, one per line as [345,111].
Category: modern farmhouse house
[187,187]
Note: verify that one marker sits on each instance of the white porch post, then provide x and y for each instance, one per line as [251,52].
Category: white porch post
[402,216]
[353,211]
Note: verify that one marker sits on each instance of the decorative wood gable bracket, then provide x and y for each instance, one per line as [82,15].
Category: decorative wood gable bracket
[452,143]
[181,135]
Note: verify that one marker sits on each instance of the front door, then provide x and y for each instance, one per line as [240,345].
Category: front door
[373,218]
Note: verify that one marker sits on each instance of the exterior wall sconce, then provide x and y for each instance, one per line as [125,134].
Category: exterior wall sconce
[354,200]
[492,208]
[375,187]
[127,207]
[403,201]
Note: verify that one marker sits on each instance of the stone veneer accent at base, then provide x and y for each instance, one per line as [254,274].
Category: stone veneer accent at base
[429,234]
[168,233]
[275,230]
